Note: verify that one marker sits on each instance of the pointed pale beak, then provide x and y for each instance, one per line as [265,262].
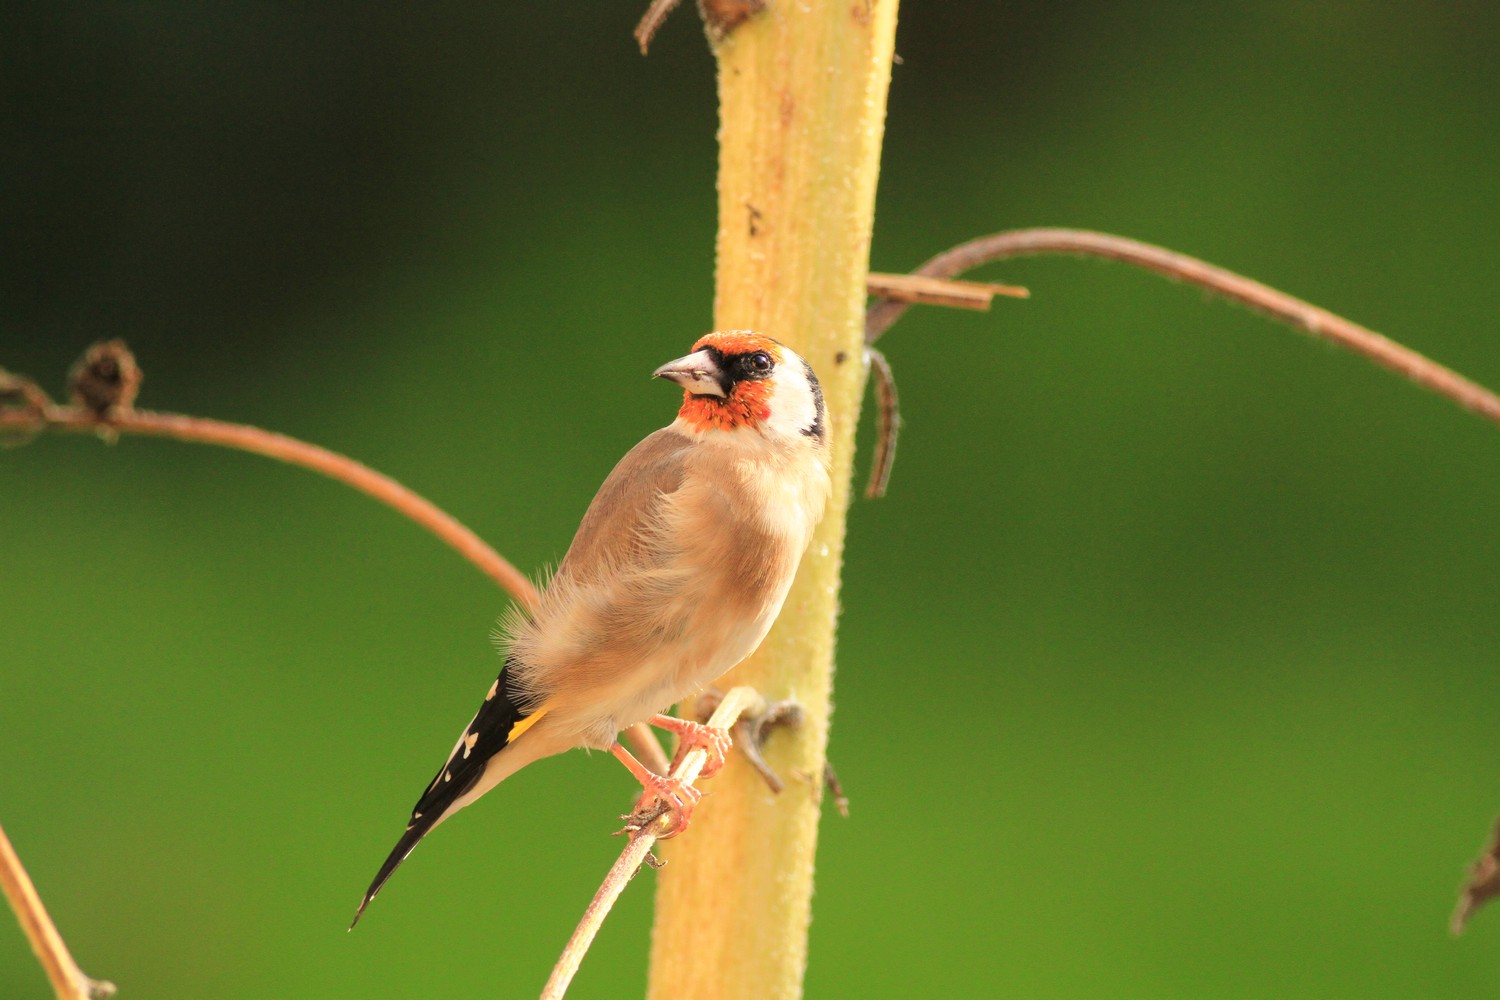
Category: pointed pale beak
[697,373]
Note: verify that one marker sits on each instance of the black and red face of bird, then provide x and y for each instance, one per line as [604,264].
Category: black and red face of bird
[741,380]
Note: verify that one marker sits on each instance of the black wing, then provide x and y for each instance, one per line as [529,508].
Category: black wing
[485,736]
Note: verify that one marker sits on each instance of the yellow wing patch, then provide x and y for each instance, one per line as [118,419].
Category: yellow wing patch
[525,724]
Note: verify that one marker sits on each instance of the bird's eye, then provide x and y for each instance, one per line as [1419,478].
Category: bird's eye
[760,361]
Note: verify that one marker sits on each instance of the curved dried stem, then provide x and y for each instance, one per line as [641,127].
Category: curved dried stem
[67,979]
[1278,305]
[738,701]
[113,416]
[887,424]
[37,413]
[657,13]
[201,430]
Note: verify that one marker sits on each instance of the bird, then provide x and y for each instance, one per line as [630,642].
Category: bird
[678,569]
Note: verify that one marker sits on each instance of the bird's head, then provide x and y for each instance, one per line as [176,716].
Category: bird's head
[738,379]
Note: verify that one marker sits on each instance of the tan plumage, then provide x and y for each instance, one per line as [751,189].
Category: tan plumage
[677,571]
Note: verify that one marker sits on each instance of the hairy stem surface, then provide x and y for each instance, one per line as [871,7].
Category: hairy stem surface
[802,91]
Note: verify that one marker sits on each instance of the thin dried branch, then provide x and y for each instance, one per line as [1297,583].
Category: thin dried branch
[22,396]
[652,20]
[1278,305]
[104,384]
[67,979]
[913,289]
[720,17]
[200,430]
[887,424]
[836,789]
[1483,884]
[638,851]
[918,289]
[18,391]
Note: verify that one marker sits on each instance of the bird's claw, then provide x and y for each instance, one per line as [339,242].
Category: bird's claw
[664,797]
[696,736]
[752,731]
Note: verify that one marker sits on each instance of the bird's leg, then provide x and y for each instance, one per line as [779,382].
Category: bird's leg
[676,796]
[647,748]
[696,736]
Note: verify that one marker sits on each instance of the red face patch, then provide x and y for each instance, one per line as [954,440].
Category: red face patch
[748,402]
[747,405]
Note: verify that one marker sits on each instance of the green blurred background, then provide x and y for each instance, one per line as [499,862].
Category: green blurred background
[1166,669]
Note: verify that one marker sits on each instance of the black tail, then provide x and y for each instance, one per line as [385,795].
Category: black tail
[484,737]
[404,846]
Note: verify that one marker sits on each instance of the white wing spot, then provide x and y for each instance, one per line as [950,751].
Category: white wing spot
[495,687]
[469,741]
[447,775]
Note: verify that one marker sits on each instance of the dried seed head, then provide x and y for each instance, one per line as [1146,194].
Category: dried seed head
[105,379]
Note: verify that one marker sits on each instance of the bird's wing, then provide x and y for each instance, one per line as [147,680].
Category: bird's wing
[595,619]
[616,526]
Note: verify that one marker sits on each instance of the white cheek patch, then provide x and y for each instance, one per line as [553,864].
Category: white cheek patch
[795,402]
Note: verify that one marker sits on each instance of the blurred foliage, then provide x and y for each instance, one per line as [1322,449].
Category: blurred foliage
[1164,666]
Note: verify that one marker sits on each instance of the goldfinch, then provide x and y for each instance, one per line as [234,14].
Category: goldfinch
[679,567]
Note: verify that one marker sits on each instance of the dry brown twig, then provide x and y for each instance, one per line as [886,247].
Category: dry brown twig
[920,289]
[912,289]
[887,424]
[738,701]
[720,17]
[1278,305]
[96,413]
[652,20]
[1180,267]
[1484,880]
[103,385]
[67,979]
[1482,886]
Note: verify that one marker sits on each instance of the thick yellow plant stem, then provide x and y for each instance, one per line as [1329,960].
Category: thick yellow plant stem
[802,91]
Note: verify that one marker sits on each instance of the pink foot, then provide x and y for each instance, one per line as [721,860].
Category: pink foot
[674,799]
[663,796]
[696,736]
